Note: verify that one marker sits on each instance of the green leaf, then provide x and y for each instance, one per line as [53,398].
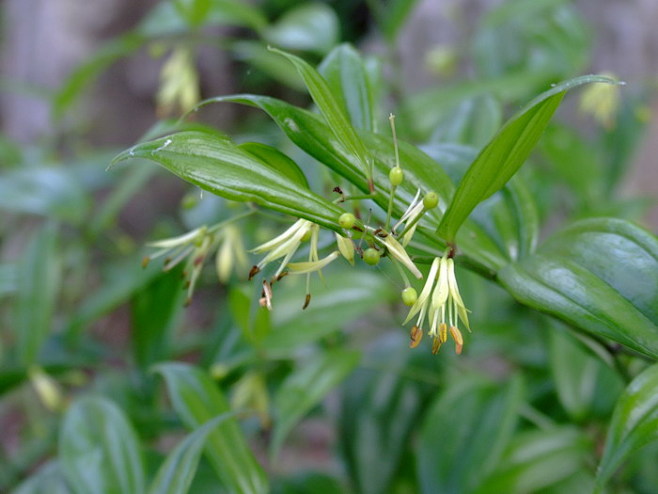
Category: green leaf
[55,193]
[472,122]
[278,161]
[392,16]
[166,19]
[379,410]
[196,400]
[347,77]
[305,388]
[356,293]
[177,472]
[309,27]
[465,433]
[195,12]
[48,479]
[252,319]
[505,154]
[333,112]
[154,312]
[536,460]
[121,281]
[600,275]
[309,483]
[582,380]
[38,283]
[216,164]
[99,449]
[634,424]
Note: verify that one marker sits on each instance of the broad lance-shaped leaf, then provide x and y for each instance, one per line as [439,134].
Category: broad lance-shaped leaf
[345,72]
[634,423]
[333,111]
[196,399]
[216,164]
[600,275]
[306,387]
[465,432]
[505,154]
[99,450]
[177,472]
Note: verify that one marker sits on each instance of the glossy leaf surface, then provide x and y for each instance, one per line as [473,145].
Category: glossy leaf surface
[215,164]
[505,154]
[634,423]
[600,275]
[345,72]
[333,111]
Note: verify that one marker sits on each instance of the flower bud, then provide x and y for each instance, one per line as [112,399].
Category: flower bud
[409,296]
[396,176]
[371,256]
[431,200]
[347,220]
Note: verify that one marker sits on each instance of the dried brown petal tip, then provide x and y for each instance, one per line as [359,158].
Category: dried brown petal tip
[307,301]
[145,261]
[416,335]
[253,272]
[436,346]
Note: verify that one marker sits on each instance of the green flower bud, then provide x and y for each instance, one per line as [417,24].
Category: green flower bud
[347,220]
[409,296]
[396,176]
[431,200]
[371,256]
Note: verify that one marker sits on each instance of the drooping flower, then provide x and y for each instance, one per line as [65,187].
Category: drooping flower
[440,302]
[194,247]
[284,245]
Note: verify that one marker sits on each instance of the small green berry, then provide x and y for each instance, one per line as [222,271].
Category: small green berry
[371,256]
[396,176]
[409,296]
[431,200]
[347,220]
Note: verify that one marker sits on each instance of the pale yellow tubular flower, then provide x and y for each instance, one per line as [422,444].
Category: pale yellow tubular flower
[439,298]
[414,209]
[169,243]
[46,389]
[396,250]
[421,303]
[285,245]
[346,248]
[312,266]
[224,261]
[456,297]
[230,255]
[281,238]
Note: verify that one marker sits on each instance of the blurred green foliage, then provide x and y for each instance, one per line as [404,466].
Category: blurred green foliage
[110,385]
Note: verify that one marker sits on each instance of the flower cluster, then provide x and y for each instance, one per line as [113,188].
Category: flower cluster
[441,303]
[194,247]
